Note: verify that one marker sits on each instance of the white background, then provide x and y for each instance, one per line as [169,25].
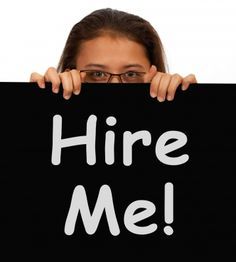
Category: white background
[199,36]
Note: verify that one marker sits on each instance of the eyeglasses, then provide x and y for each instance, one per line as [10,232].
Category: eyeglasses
[95,76]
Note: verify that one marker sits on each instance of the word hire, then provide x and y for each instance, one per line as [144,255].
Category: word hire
[162,148]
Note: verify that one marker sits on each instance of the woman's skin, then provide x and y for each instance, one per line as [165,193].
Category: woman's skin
[115,55]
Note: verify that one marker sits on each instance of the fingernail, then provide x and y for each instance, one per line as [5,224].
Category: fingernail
[169,98]
[66,97]
[55,90]
[42,85]
[183,87]
[161,99]
[153,94]
[76,92]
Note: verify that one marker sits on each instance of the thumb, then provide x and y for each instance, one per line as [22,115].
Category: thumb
[151,73]
[82,76]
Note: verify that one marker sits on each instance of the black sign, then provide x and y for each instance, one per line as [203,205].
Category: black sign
[114,169]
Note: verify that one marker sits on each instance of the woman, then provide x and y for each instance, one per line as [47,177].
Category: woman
[113,46]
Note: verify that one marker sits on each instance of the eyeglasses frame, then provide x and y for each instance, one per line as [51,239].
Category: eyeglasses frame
[111,74]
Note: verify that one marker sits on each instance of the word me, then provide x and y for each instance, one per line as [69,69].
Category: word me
[79,204]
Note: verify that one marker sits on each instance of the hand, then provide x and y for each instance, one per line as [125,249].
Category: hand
[71,81]
[163,85]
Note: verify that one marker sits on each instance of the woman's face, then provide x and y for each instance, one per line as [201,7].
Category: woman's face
[115,55]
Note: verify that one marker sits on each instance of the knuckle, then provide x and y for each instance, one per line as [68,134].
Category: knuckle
[177,76]
[153,86]
[192,75]
[32,77]
[67,89]
[50,69]
[75,74]
[56,82]
[161,88]
[32,74]
[64,74]
[156,79]
[171,91]
[35,77]
[161,73]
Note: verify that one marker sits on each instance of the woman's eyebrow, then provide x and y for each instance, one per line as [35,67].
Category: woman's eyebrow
[101,66]
[96,65]
[133,65]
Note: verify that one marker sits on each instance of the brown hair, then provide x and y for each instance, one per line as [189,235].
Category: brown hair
[113,22]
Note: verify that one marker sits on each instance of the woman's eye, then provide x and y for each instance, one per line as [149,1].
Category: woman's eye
[131,74]
[98,74]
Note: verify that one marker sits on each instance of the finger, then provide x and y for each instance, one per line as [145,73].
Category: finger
[155,84]
[151,73]
[52,76]
[82,76]
[35,77]
[163,87]
[67,84]
[76,79]
[189,79]
[176,80]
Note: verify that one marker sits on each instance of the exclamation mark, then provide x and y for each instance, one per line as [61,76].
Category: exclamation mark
[169,208]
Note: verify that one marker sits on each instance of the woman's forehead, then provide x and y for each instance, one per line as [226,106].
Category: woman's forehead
[106,50]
